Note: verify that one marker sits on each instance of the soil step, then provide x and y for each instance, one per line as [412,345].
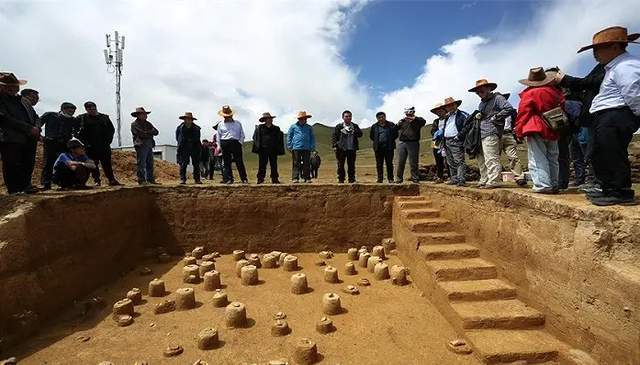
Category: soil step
[489,289]
[462,269]
[407,198]
[429,225]
[421,213]
[439,238]
[452,251]
[504,346]
[415,204]
[507,313]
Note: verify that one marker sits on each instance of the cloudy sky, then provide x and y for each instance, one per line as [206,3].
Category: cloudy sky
[282,56]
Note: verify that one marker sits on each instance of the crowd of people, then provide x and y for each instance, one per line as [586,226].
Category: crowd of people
[587,122]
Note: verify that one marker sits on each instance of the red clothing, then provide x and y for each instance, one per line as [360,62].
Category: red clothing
[533,102]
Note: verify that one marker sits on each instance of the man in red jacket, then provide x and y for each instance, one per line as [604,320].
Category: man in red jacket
[542,142]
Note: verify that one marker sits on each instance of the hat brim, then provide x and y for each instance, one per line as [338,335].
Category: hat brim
[186,117]
[547,80]
[492,86]
[434,109]
[19,83]
[457,102]
[630,39]
[265,118]
[305,117]
[135,114]
[223,114]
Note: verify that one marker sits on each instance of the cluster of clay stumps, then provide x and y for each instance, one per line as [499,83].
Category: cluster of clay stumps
[199,267]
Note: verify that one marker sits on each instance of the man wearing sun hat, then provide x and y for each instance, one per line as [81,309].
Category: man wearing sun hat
[231,137]
[437,135]
[454,126]
[616,114]
[301,141]
[268,143]
[143,132]
[189,147]
[19,133]
[493,110]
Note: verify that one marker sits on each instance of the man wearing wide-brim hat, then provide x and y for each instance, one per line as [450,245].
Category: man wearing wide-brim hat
[301,141]
[454,133]
[268,143]
[616,114]
[492,112]
[143,132]
[189,147]
[20,134]
[437,135]
[509,145]
[231,137]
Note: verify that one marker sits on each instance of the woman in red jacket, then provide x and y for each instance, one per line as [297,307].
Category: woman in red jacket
[539,97]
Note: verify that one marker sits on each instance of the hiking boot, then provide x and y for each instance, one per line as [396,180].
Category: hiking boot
[612,200]
[379,181]
[276,182]
[521,182]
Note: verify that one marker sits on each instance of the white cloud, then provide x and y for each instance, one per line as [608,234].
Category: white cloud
[277,56]
[552,37]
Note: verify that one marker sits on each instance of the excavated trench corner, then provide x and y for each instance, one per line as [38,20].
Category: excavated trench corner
[519,277]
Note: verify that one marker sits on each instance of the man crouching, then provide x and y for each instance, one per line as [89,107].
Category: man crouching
[72,169]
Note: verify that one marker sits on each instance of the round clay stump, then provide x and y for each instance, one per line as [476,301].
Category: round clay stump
[331,274]
[325,325]
[270,261]
[350,269]
[254,260]
[399,275]
[299,283]
[209,257]
[326,255]
[190,270]
[281,258]
[239,265]
[156,288]
[381,271]
[378,251]
[185,299]
[290,263]
[123,320]
[135,295]
[212,280]
[198,252]
[238,255]
[235,315]
[172,350]
[280,328]
[205,267]
[208,339]
[189,260]
[363,259]
[123,306]
[352,254]
[331,303]
[305,352]
[372,262]
[220,299]
[249,275]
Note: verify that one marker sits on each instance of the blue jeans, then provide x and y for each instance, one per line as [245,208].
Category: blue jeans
[543,163]
[144,159]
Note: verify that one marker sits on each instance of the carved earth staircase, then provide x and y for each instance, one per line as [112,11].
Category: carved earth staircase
[466,288]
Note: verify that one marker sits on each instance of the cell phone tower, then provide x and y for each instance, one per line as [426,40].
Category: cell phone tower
[113,58]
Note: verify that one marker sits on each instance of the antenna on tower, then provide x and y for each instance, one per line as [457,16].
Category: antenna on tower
[113,56]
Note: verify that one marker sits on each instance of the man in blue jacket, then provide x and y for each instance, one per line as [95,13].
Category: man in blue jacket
[301,141]
[454,140]
[189,147]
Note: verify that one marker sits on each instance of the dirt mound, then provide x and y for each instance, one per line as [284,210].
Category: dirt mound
[124,168]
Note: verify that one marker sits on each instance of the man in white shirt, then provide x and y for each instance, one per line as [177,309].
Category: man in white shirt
[231,137]
[616,112]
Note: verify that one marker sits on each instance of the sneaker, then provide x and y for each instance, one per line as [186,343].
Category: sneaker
[379,181]
[415,181]
[308,181]
[276,182]
[612,200]
[398,182]
[229,182]
[545,191]
[521,182]
[352,181]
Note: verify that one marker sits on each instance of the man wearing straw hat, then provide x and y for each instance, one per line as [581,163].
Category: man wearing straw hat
[189,147]
[437,136]
[143,132]
[268,143]
[616,115]
[454,125]
[301,141]
[493,110]
[231,137]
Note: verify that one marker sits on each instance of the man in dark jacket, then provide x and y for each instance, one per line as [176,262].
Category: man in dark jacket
[18,134]
[143,132]
[59,128]
[345,143]
[383,135]
[189,147]
[30,99]
[96,132]
[453,134]
[268,143]
[409,145]
[437,139]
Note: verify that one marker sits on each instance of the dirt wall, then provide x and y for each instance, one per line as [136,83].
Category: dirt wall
[578,264]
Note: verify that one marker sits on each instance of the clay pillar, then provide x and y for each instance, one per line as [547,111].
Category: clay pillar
[208,339]
[381,271]
[185,299]
[249,275]
[156,288]
[135,295]
[299,283]
[305,352]
[331,303]
[211,280]
[238,255]
[206,266]
[290,263]
[235,315]
[331,274]
[352,254]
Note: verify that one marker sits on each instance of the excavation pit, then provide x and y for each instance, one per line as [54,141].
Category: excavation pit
[409,323]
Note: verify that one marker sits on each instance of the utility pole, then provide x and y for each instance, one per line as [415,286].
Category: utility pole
[113,59]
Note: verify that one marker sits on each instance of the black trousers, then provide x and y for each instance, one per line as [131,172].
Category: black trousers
[101,157]
[271,157]
[348,156]
[52,149]
[18,160]
[437,156]
[564,159]
[67,178]
[613,130]
[232,152]
[194,157]
[301,164]
[384,156]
